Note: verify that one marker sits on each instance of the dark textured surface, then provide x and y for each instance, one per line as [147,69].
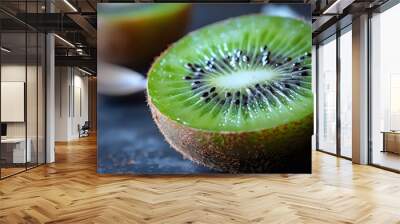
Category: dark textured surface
[128,139]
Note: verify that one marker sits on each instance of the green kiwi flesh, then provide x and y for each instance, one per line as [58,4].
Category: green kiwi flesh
[236,95]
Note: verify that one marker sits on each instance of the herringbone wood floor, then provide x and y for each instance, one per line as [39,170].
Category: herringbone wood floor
[70,191]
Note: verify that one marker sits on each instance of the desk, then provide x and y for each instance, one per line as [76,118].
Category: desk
[18,150]
[391,141]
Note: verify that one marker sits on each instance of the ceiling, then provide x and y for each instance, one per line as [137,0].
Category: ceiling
[75,21]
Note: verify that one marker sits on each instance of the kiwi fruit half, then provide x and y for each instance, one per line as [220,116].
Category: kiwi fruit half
[236,95]
[133,34]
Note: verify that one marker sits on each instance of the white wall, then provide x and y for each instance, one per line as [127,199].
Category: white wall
[33,127]
[71,102]
[62,82]
[80,110]
[15,72]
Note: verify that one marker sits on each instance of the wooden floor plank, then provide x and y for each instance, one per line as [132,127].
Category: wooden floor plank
[70,191]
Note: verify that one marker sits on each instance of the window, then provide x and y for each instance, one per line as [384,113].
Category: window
[327,96]
[385,89]
[346,92]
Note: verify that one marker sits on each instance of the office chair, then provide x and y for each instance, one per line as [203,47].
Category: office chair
[84,130]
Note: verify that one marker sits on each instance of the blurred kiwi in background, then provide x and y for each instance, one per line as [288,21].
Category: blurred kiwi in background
[133,34]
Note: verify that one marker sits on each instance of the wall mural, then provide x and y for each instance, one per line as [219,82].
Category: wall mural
[204,88]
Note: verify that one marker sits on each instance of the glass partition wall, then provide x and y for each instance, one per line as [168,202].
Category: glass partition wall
[334,90]
[22,77]
[326,94]
[334,93]
[345,92]
[385,89]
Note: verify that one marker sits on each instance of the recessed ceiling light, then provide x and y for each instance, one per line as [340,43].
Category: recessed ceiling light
[84,71]
[5,49]
[70,5]
[338,6]
[64,40]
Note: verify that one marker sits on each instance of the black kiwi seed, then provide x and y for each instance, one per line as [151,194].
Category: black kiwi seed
[304,73]
[245,101]
[264,59]
[193,67]
[200,70]
[212,89]
[295,69]
[197,73]
[188,65]
[263,49]
[287,59]
[296,64]
[211,67]
[226,60]
[296,72]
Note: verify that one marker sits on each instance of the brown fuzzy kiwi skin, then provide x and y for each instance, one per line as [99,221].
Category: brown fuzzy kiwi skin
[282,149]
[135,43]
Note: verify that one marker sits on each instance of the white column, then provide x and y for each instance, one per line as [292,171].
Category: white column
[50,92]
[360,90]
[50,99]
